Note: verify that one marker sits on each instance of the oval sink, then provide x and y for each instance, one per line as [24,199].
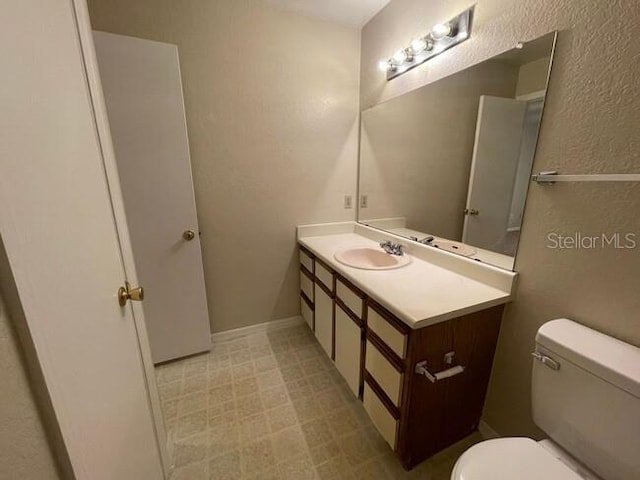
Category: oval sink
[454,247]
[370,258]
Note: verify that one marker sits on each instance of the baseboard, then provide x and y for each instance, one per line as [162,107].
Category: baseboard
[486,431]
[261,327]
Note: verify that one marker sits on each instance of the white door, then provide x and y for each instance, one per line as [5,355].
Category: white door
[58,228]
[143,93]
[495,160]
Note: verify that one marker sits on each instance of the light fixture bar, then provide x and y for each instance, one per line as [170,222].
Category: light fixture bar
[441,37]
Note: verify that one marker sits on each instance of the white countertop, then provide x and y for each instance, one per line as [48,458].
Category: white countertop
[421,293]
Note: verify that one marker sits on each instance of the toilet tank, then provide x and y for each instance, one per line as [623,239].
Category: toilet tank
[590,403]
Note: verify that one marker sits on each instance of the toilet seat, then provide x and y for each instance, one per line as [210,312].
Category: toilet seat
[510,459]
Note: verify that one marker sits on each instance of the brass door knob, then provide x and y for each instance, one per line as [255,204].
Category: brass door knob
[188,235]
[471,211]
[127,293]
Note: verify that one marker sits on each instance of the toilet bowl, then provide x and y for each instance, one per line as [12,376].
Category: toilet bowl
[586,397]
[518,458]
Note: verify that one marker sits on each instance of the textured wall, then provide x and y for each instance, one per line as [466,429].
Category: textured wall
[272,105]
[590,125]
[24,449]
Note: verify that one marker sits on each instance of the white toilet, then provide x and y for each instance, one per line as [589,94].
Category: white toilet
[586,397]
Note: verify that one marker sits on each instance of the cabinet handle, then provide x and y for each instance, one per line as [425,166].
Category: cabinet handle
[421,369]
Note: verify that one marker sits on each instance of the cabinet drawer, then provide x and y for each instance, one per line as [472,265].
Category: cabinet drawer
[348,346]
[323,318]
[306,285]
[395,339]
[352,299]
[380,416]
[306,260]
[324,275]
[383,373]
[307,312]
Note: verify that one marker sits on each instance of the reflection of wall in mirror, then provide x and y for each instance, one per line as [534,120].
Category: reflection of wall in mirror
[416,149]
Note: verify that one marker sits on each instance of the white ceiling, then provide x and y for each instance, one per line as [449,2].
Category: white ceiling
[349,12]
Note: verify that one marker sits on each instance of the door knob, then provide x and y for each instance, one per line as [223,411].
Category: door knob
[471,211]
[127,293]
[188,235]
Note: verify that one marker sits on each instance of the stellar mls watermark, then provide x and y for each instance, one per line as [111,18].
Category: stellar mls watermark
[580,241]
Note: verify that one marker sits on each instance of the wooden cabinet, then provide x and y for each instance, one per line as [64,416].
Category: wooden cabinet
[378,355]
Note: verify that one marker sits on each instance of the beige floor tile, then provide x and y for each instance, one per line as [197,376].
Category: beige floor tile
[253,428]
[219,362]
[323,453]
[242,371]
[248,405]
[320,381]
[220,376]
[274,397]
[371,470]
[246,386]
[269,379]
[192,403]
[342,421]
[195,471]
[237,345]
[239,357]
[260,351]
[317,432]
[291,373]
[191,424]
[307,409]
[222,439]
[196,367]
[220,395]
[288,444]
[281,417]
[225,467]
[265,364]
[169,372]
[190,450]
[170,391]
[170,408]
[355,448]
[335,469]
[257,456]
[330,400]
[196,383]
[300,468]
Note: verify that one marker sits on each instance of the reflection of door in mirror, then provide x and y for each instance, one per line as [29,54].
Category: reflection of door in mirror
[503,152]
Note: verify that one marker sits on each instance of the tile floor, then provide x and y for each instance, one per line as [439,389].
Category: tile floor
[272,406]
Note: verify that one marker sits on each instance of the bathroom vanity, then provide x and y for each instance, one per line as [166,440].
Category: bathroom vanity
[414,343]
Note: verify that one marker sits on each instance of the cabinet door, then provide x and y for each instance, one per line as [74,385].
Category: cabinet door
[324,319]
[348,349]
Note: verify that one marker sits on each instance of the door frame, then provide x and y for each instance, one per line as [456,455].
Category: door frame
[103,133]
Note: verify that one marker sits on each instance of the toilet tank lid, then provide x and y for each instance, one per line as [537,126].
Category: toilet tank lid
[611,359]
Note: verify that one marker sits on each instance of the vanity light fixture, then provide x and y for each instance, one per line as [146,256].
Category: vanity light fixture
[441,37]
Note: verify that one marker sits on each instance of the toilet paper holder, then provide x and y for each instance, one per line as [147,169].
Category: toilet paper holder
[421,369]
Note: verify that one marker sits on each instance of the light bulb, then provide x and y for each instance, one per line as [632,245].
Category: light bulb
[400,57]
[419,44]
[441,30]
[383,65]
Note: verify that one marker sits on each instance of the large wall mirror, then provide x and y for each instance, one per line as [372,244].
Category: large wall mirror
[449,164]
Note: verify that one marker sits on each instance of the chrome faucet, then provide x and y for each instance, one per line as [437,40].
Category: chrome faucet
[392,248]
